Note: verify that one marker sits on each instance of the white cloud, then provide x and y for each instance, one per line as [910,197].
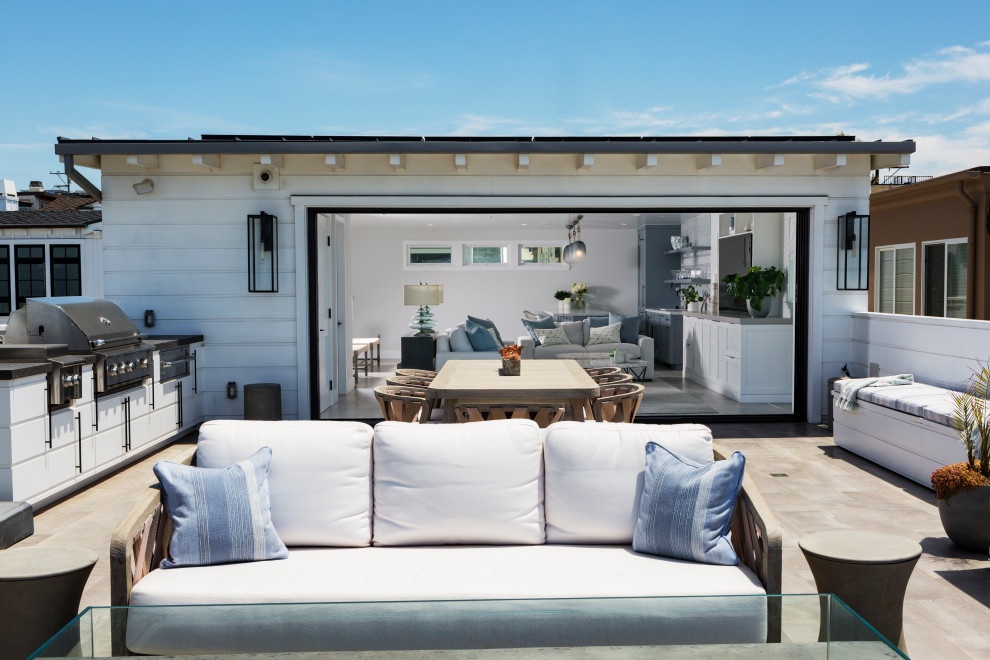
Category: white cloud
[955,64]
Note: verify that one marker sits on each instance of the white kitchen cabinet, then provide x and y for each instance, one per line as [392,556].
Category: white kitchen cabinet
[743,359]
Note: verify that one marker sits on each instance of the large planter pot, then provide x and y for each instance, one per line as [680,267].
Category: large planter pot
[966,518]
[762,311]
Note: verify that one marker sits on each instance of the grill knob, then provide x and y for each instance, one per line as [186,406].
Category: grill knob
[67,379]
[76,378]
[144,363]
[112,370]
[130,367]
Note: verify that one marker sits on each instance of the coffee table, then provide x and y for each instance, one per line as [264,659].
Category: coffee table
[539,381]
[579,628]
[636,368]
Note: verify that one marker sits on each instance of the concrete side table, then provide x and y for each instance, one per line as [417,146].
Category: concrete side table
[868,571]
[40,588]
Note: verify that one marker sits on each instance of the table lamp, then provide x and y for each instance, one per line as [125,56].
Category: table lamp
[423,295]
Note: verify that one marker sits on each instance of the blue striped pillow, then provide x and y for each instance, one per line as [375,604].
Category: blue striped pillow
[219,515]
[686,509]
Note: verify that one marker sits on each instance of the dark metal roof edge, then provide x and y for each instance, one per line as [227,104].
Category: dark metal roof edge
[232,144]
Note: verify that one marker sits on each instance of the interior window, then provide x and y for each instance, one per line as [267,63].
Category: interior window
[540,255]
[485,254]
[422,254]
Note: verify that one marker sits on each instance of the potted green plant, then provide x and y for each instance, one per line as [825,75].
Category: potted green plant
[963,489]
[563,299]
[757,286]
[692,299]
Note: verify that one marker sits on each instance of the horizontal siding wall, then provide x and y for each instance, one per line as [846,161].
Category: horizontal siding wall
[184,255]
[937,351]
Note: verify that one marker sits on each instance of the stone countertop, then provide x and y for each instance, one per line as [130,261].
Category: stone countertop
[666,310]
[15,370]
[741,319]
[166,342]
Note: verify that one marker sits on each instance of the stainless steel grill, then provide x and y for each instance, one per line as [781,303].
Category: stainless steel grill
[87,325]
[65,377]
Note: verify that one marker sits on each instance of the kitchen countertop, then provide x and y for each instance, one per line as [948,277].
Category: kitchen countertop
[166,342]
[15,370]
[742,318]
[665,310]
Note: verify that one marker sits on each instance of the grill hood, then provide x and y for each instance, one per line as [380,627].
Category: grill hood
[82,323]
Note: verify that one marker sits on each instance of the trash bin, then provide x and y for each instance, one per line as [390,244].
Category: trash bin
[263,401]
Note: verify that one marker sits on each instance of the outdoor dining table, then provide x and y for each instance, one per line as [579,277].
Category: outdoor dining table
[540,381]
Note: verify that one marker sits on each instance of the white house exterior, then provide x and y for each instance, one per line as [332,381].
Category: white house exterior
[179,245]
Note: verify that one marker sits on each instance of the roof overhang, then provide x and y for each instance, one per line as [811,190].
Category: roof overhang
[267,144]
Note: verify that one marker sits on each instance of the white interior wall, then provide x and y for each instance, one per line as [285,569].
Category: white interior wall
[609,270]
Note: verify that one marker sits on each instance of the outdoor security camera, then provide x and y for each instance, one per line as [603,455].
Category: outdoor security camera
[265,176]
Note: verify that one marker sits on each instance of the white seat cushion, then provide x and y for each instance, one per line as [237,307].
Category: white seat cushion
[319,480]
[367,575]
[458,483]
[594,475]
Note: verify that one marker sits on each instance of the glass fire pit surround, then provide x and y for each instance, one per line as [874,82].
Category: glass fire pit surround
[671,627]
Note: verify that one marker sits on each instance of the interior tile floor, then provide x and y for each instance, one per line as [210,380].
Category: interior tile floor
[669,393]
[809,483]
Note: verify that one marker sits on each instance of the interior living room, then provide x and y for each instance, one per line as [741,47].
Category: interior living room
[651,264]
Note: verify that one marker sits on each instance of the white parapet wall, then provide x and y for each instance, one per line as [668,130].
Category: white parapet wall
[937,351]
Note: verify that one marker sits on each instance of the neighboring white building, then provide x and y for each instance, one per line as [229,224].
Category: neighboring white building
[176,216]
[49,253]
[9,201]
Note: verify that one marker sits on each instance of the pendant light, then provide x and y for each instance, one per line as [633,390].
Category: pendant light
[575,250]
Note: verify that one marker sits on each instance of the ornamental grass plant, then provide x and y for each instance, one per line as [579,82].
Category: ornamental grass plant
[971,420]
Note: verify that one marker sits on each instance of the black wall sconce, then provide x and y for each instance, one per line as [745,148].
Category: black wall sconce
[149,318]
[853,252]
[262,253]
[231,390]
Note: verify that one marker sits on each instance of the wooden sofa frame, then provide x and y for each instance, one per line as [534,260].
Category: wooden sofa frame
[141,540]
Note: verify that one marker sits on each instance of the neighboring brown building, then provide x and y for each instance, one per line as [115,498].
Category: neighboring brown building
[929,246]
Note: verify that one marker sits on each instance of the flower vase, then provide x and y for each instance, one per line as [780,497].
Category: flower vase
[566,304]
[579,303]
[510,367]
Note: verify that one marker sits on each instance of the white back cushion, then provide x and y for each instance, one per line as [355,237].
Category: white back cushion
[594,475]
[320,476]
[438,484]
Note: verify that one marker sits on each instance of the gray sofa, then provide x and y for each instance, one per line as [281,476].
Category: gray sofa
[579,335]
[460,349]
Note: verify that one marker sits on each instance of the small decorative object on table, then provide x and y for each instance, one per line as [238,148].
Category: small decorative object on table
[619,357]
[577,294]
[963,489]
[511,359]
[563,299]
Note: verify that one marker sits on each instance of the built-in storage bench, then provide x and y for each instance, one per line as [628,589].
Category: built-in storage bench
[904,428]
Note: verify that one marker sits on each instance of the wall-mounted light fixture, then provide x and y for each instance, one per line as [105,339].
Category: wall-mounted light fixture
[853,252]
[231,390]
[149,318]
[262,253]
[144,187]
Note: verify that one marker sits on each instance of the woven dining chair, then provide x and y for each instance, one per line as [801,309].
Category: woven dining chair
[618,402]
[404,404]
[543,414]
[409,381]
[612,379]
[603,371]
[418,373]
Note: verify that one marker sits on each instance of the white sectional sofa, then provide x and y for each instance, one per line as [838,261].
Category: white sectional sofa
[904,428]
[396,518]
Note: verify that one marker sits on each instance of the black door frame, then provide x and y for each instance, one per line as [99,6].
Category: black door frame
[802,292]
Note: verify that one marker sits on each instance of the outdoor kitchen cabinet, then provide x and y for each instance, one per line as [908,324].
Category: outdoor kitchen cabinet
[178,403]
[121,424]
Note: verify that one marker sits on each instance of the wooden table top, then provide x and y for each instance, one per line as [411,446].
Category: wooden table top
[366,340]
[475,379]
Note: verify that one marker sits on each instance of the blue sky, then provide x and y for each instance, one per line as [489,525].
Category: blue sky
[907,70]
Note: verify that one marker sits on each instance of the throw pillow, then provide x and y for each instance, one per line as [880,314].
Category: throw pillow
[686,509]
[630,327]
[544,323]
[551,336]
[219,515]
[482,338]
[487,323]
[597,321]
[574,331]
[607,335]
[459,342]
